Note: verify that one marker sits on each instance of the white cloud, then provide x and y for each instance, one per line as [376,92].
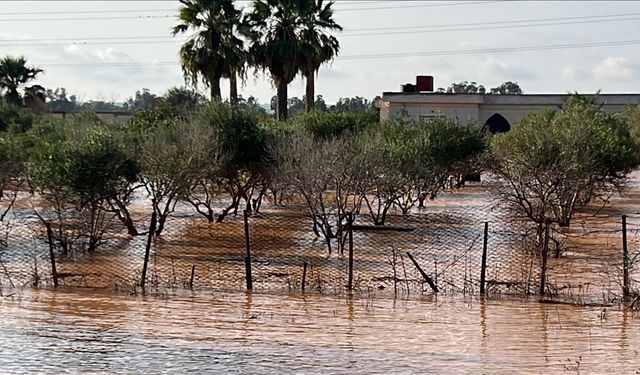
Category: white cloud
[492,64]
[569,72]
[614,68]
[501,69]
[72,48]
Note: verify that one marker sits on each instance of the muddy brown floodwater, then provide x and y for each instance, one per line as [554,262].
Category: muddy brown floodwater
[77,331]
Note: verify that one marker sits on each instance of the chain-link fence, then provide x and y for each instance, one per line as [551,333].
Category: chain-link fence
[452,250]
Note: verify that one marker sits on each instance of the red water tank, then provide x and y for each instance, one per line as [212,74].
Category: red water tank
[424,83]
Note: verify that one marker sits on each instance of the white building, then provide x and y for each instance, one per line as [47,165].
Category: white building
[497,112]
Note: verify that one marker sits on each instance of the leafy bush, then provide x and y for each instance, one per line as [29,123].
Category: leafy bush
[335,124]
[553,162]
[15,118]
[81,179]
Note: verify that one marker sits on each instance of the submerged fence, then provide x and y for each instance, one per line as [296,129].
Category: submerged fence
[445,251]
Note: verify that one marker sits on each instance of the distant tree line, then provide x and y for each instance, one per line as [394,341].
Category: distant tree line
[466,87]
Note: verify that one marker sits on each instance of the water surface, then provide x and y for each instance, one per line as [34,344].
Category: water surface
[79,331]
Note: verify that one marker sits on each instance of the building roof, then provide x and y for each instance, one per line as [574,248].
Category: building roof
[538,99]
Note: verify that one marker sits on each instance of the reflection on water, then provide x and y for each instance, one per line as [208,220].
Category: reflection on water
[92,332]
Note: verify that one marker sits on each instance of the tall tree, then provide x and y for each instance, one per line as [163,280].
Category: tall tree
[213,51]
[273,28]
[318,46]
[14,73]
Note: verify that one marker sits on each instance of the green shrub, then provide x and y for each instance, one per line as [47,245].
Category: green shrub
[14,118]
[335,124]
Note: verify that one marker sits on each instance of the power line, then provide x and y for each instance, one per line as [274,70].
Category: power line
[491,27]
[494,50]
[90,38]
[498,22]
[171,40]
[144,17]
[488,25]
[448,4]
[358,2]
[172,10]
[86,12]
[387,55]
[79,43]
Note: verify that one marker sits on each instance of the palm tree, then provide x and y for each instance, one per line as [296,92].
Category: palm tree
[318,45]
[35,97]
[15,73]
[213,51]
[273,27]
[236,64]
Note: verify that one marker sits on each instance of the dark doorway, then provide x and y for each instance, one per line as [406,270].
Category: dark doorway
[497,124]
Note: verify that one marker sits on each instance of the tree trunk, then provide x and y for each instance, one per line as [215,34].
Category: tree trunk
[162,219]
[131,228]
[13,97]
[311,91]
[234,205]
[233,88]
[215,89]
[421,198]
[125,216]
[282,110]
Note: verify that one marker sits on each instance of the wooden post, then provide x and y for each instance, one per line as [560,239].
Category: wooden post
[625,260]
[304,275]
[152,229]
[350,223]
[193,273]
[426,277]
[247,258]
[545,255]
[483,267]
[52,255]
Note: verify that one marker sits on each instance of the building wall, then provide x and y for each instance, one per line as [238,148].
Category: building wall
[512,113]
[478,108]
[461,112]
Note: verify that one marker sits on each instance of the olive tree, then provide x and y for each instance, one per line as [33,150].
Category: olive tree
[11,170]
[241,173]
[76,180]
[172,159]
[555,161]
[428,154]
[324,173]
[380,179]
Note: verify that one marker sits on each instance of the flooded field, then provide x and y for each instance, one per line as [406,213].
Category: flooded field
[89,332]
[446,238]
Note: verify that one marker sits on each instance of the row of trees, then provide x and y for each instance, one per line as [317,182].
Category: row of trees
[466,87]
[283,37]
[87,172]
[297,106]
[59,100]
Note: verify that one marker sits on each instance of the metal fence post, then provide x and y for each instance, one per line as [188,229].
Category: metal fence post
[483,268]
[304,275]
[193,273]
[54,270]
[350,223]
[545,254]
[625,259]
[152,229]
[247,258]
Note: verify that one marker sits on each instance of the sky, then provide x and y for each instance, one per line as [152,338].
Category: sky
[106,50]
